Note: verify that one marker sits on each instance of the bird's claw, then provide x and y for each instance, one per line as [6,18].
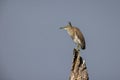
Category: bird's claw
[77,49]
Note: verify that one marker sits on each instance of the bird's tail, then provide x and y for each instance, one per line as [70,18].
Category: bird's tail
[83,46]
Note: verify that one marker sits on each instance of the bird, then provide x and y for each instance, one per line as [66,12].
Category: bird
[76,35]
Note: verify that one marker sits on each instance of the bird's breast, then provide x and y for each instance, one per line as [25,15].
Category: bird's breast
[76,40]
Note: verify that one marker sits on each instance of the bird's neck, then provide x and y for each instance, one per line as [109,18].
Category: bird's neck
[70,32]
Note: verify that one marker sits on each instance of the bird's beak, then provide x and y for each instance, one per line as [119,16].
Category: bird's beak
[61,27]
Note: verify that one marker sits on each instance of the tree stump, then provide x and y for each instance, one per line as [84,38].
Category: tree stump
[79,69]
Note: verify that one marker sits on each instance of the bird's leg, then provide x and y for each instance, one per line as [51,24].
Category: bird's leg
[78,47]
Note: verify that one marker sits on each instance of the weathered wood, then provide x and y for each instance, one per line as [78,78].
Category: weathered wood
[79,69]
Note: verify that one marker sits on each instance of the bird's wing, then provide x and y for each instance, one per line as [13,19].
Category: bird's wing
[81,37]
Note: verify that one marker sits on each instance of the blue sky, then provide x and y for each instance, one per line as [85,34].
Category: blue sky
[33,48]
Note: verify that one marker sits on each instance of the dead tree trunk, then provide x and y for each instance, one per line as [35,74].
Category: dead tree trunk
[79,69]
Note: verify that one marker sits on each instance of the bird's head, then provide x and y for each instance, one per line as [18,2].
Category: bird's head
[67,27]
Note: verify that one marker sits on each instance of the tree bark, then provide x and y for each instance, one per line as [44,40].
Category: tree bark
[79,69]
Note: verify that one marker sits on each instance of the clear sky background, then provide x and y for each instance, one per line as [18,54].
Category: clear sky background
[32,47]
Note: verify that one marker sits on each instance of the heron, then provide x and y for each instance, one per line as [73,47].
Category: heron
[76,35]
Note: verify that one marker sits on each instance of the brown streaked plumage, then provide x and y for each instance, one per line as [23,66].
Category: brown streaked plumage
[76,35]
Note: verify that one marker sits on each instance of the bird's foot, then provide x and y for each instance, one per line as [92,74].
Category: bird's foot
[77,49]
